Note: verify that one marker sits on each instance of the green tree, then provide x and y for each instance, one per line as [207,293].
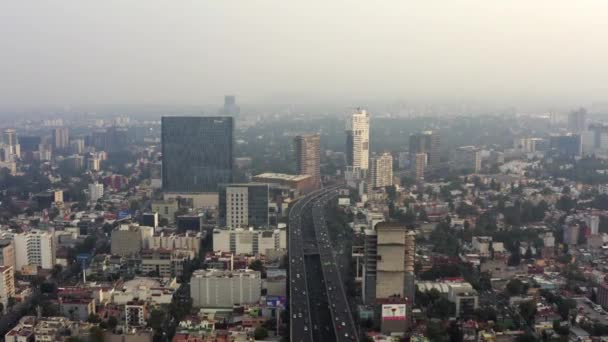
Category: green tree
[442,309]
[260,333]
[112,322]
[527,310]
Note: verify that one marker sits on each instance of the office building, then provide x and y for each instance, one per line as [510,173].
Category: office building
[95,192]
[308,156]
[7,252]
[566,144]
[11,148]
[467,158]
[224,289]
[528,145]
[230,107]
[166,209]
[381,171]
[465,297]
[370,259]
[299,184]
[357,140]
[7,285]
[197,153]
[149,220]
[427,142]
[190,223]
[164,263]
[577,120]
[61,138]
[420,161]
[248,241]
[243,205]
[34,248]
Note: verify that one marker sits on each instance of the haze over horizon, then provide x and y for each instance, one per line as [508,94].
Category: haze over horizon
[516,52]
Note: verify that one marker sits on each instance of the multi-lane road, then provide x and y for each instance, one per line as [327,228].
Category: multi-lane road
[318,306]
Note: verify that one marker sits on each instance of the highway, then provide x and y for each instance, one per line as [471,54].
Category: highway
[318,308]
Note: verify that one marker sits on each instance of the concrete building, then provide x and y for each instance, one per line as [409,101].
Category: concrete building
[357,140]
[7,285]
[34,248]
[390,265]
[94,164]
[165,263]
[577,120]
[427,142]
[185,241]
[300,184]
[166,209]
[61,138]
[465,298]
[420,161]
[308,156]
[127,240]
[78,309]
[467,158]
[528,145]
[250,242]
[566,144]
[95,192]
[243,205]
[381,171]
[135,314]
[7,252]
[224,289]
[370,259]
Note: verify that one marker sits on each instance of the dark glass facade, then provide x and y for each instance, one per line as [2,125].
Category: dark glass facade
[257,203]
[197,153]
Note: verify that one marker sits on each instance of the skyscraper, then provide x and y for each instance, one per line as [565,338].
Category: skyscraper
[357,140]
[308,156]
[426,142]
[197,153]
[577,120]
[61,138]
[381,171]
[230,107]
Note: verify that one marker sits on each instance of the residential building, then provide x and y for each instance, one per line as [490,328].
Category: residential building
[7,285]
[129,239]
[224,289]
[7,252]
[427,142]
[197,153]
[61,139]
[357,140]
[467,158]
[243,205]
[381,171]
[420,161]
[135,314]
[95,192]
[308,156]
[34,248]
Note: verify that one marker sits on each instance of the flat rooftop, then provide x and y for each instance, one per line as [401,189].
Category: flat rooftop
[282,176]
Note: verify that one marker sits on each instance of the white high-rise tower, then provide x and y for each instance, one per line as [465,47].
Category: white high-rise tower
[357,140]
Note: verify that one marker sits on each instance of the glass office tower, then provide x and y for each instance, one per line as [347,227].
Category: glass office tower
[197,153]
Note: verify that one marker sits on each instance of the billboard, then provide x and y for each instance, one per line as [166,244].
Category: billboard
[393,312]
[275,301]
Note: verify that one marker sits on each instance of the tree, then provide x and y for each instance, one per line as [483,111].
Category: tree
[435,332]
[527,310]
[515,287]
[564,306]
[442,308]
[257,265]
[156,319]
[93,318]
[1,308]
[96,334]
[112,322]
[260,333]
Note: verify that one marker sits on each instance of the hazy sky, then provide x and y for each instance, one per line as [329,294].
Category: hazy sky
[73,52]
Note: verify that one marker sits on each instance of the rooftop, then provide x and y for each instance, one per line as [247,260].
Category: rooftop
[282,176]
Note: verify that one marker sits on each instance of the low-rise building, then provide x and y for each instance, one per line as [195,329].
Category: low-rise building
[223,289]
